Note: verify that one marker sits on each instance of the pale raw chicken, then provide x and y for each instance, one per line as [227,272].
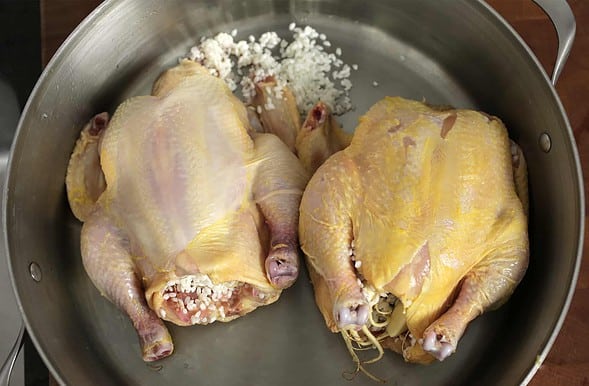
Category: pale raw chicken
[189,215]
[314,141]
[416,228]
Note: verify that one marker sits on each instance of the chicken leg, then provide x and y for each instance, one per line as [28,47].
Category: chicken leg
[278,198]
[106,258]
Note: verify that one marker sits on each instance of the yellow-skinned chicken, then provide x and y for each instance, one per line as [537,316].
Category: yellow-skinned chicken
[416,228]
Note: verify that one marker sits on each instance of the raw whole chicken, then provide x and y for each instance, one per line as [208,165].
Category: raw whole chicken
[416,228]
[190,216]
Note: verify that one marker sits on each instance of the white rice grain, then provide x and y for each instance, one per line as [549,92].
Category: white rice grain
[301,63]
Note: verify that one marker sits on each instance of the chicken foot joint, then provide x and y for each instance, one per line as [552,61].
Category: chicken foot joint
[189,215]
[416,228]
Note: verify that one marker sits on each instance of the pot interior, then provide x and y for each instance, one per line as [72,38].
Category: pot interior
[449,52]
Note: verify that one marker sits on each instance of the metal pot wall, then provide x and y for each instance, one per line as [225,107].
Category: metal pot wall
[455,52]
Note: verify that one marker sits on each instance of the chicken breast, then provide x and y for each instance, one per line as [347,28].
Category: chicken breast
[190,216]
[416,228]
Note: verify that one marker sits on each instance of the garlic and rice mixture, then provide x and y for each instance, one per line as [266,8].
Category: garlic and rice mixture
[304,65]
[196,297]
[204,293]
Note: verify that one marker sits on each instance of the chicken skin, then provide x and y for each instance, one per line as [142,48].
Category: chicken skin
[189,214]
[416,228]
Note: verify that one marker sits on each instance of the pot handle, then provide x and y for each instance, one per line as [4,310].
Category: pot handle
[562,17]
[6,370]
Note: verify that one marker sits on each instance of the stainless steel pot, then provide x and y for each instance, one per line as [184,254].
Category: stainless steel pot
[457,52]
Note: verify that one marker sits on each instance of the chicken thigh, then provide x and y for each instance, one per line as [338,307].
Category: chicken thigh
[189,214]
[416,228]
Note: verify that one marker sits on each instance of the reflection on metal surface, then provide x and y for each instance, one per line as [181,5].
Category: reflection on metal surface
[545,142]
[35,271]
[8,366]
[562,17]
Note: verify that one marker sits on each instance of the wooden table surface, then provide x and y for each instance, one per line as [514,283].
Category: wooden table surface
[568,361]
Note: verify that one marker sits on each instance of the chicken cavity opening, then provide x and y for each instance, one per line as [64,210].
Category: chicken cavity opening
[195,299]
[385,319]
